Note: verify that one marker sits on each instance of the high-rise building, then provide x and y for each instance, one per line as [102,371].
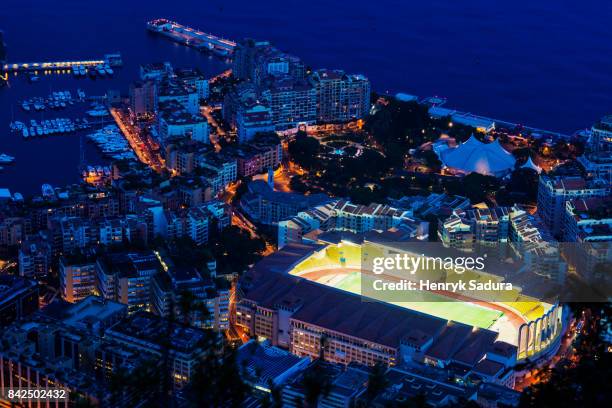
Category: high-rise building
[77,275]
[245,53]
[264,151]
[35,257]
[125,277]
[597,159]
[64,347]
[253,118]
[181,92]
[601,140]
[259,61]
[194,78]
[340,97]
[143,97]
[483,226]
[292,102]
[174,121]
[168,287]
[554,192]
[588,220]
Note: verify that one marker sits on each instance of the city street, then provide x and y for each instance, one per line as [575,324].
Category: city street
[141,146]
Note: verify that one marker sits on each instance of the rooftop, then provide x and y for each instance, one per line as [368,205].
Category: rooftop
[147,327]
[263,362]
[12,286]
[328,307]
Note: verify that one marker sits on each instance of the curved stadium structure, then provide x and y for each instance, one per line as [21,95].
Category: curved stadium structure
[526,322]
[310,299]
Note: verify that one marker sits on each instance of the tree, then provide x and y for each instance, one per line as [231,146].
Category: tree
[235,250]
[474,186]
[316,384]
[377,382]
[432,160]
[524,184]
[217,382]
[186,305]
[304,149]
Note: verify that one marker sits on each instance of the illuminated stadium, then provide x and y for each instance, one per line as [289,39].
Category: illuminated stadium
[526,322]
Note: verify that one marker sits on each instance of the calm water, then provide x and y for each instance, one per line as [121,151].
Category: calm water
[546,63]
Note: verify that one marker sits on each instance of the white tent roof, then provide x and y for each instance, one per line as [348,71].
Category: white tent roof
[529,164]
[476,156]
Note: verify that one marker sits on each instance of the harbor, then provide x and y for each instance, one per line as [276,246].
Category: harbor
[102,66]
[192,37]
[112,143]
[55,100]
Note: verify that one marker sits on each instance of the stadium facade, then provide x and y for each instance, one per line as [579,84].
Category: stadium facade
[307,298]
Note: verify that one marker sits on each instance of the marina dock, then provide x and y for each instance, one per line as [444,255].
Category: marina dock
[192,37]
[113,60]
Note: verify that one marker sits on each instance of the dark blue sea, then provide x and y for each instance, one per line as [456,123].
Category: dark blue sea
[545,63]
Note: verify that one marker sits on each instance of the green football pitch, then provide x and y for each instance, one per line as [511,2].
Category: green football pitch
[434,304]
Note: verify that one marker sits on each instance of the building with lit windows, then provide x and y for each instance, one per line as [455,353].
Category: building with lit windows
[143,97]
[125,277]
[267,206]
[150,334]
[34,257]
[77,274]
[174,121]
[309,298]
[292,102]
[168,287]
[64,347]
[597,159]
[554,192]
[178,91]
[344,216]
[251,119]
[194,78]
[156,71]
[340,97]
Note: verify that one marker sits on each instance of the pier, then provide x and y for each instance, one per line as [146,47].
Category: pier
[192,37]
[112,60]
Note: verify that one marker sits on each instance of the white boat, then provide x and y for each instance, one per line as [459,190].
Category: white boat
[25,132]
[25,106]
[98,112]
[6,159]
[100,70]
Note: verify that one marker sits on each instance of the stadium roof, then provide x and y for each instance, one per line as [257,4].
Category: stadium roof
[336,310]
[475,156]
